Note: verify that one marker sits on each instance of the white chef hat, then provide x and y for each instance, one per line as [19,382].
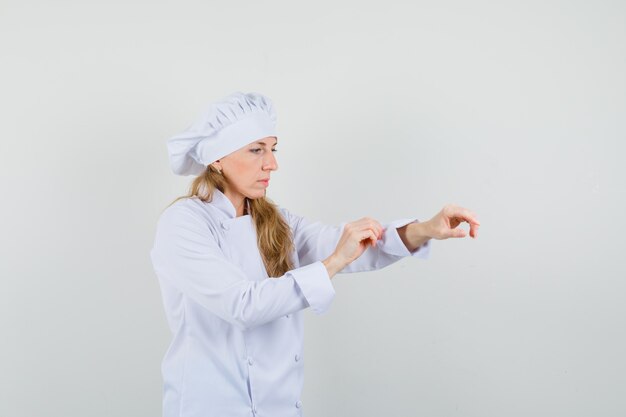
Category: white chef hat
[225,126]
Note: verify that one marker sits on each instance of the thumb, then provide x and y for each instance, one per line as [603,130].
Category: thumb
[458,233]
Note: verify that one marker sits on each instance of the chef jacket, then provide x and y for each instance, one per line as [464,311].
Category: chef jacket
[237,347]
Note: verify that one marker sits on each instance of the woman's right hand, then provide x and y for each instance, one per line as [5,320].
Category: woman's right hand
[354,240]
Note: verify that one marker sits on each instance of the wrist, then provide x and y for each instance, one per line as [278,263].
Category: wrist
[415,235]
[333,265]
[419,232]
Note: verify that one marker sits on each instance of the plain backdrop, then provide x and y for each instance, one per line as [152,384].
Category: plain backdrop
[513,109]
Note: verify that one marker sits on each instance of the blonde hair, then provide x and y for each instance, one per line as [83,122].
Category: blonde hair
[274,237]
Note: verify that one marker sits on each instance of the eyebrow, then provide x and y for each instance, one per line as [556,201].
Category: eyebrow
[263,143]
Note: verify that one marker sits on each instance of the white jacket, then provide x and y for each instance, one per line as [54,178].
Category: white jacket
[237,347]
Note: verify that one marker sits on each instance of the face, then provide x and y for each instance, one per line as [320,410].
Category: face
[245,168]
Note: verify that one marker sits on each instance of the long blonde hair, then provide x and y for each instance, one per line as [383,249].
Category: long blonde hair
[274,237]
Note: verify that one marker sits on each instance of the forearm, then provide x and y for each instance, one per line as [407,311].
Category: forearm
[398,239]
[333,265]
[414,235]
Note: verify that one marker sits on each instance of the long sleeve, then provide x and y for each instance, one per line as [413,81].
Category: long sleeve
[315,242]
[187,255]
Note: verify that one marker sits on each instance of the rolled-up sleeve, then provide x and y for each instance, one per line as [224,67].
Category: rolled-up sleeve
[393,244]
[186,254]
[319,293]
[316,241]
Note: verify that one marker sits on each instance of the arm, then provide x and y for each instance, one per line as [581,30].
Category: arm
[414,235]
[315,241]
[187,255]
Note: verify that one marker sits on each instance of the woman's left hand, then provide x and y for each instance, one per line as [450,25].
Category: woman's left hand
[443,225]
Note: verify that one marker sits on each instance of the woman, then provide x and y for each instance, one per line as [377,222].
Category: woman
[236,271]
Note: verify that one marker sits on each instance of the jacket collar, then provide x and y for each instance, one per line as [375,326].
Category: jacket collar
[223,203]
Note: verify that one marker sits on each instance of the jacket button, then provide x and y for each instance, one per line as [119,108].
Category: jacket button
[299,404]
[297,357]
[250,361]
[225,226]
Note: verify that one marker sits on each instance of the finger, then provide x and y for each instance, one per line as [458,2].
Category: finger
[370,236]
[373,238]
[465,215]
[472,218]
[366,222]
[474,230]
[378,229]
[363,234]
[474,225]
[369,223]
[454,233]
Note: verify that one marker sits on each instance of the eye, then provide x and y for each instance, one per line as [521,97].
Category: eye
[257,150]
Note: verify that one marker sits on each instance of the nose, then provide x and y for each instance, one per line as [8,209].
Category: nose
[270,162]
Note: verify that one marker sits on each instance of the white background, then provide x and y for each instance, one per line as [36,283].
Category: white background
[515,110]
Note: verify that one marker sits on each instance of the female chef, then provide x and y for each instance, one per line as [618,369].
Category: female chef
[236,271]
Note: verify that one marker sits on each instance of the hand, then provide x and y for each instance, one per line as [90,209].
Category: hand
[356,237]
[443,225]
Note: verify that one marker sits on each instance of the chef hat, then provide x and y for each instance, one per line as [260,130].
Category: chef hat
[226,126]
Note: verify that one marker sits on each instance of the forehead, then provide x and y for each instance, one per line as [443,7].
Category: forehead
[268,141]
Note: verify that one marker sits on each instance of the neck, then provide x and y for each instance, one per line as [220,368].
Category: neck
[238,201]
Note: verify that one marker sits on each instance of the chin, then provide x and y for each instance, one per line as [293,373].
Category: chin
[256,194]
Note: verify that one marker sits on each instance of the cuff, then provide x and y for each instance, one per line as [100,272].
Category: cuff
[315,285]
[393,245]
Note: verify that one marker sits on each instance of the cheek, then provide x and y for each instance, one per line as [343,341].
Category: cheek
[245,169]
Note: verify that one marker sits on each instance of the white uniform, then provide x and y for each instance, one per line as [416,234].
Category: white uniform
[237,348]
